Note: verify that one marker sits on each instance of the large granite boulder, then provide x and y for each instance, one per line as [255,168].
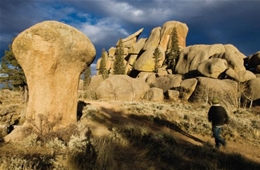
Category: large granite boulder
[191,56]
[52,55]
[121,87]
[146,60]
[212,67]
[160,38]
[137,47]
[254,62]
[95,81]
[198,56]
[169,81]
[253,89]
[148,77]
[207,88]
[181,29]
[154,39]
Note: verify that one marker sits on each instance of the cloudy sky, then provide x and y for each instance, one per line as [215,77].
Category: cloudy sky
[234,22]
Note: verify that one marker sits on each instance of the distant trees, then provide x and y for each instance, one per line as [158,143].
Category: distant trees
[12,75]
[119,64]
[103,61]
[156,56]
[172,56]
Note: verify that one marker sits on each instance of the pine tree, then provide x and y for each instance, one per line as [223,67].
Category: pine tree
[172,57]
[87,77]
[103,61]
[12,73]
[156,56]
[119,65]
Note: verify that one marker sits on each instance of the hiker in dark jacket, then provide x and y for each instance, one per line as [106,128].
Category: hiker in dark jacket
[217,115]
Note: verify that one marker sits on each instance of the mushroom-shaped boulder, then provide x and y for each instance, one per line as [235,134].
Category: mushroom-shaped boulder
[52,55]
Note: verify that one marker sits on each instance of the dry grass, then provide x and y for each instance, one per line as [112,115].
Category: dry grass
[139,135]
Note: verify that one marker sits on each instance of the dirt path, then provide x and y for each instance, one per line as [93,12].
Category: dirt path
[240,147]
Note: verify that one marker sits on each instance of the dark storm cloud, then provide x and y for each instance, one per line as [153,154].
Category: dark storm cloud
[16,16]
[232,22]
[105,21]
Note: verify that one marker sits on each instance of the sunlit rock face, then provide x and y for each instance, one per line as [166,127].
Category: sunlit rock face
[52,55]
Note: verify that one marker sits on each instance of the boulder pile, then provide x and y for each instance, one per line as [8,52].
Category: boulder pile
[200,73]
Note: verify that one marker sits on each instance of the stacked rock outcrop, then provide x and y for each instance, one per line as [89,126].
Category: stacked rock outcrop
[200,72]
[139,53]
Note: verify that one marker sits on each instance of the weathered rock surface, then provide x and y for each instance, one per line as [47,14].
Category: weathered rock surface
[131,40]
[191,57]
[154,94]
[207,88]
[139,54]
[212,67]
[254,61]
[137,47]
[187,88]
[245,75]
[146,61]
[52,55]
[169,81]
[148,77]
[181,29]
[95,82]
[154,39]
[121,87]
[253,89]
[173,95]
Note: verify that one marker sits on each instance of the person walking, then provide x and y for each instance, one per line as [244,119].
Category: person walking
[218,116]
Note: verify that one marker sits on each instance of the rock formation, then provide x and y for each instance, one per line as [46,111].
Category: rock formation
[122,87]
[207,88]
[140,53]
[154,94]
[253,89]
[52,55]
[254,62]
[197,67]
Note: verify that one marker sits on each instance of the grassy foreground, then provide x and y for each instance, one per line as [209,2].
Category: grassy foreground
[135,135]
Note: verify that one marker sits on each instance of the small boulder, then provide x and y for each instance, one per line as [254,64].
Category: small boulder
[154,94]
[187,88]
[212,67]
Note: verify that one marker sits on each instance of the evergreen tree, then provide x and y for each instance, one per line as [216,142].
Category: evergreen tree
[172,56]
[87,77]
[156,56]
[103,61]
[119,65]
[12,73]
